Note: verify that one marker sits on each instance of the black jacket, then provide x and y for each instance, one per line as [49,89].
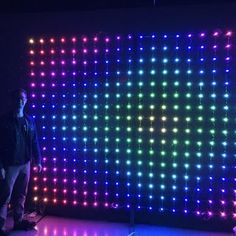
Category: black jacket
[8,140]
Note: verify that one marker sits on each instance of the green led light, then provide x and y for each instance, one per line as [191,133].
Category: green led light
[187,142]
[151,152]
[128,140]
[199,143]
[152,95]
[151,163]
[129,129]
[140,163]
[163,153]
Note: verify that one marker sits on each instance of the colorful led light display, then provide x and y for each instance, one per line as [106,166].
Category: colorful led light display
[140,121]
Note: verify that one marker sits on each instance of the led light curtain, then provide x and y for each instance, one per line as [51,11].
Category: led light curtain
[141,121]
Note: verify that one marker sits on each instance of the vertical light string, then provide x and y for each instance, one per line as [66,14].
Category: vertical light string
[118,155]
[200,121]
[152,108]
[106,118]
[34,86]
[73,119]
[225,131]
[128,137]
[96,119]
[213,131]
[140,95]
[85,128]
[175,120]
[164,130]
[187,119]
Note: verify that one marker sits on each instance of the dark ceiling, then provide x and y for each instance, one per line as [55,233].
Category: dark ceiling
[23,6]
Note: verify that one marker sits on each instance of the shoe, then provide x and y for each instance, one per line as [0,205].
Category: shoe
[3,233]
[24,225]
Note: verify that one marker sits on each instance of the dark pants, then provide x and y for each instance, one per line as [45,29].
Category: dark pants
[17,177]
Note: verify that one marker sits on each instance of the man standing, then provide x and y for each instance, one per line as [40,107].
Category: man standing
[18,147]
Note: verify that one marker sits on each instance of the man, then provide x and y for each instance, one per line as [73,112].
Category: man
[18,147]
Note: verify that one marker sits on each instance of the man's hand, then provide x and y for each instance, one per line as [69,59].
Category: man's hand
[38,168]
[2,173]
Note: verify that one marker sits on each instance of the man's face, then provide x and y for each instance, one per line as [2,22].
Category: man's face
[19,100]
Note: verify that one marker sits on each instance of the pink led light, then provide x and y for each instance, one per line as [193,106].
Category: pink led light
[210,213]
[42,52]
[216,34]
[107,40]
[42,63]
[223,214]
[229,33]
[95,204]
[32,63]
[74,62]
[64,201]
[31,52]
[42,85]
[32,74]
[74,191]
[33,85]
[41,41]
[73,51]
[95,39]
[74,202]
[228,46]
[202,34]
[118,37]
[63,40]
[85,203]
[52,51]
[85,51]
[95,51]
[74,39]
[52,62]
[85,39]
[63,62]
[63,51]
[85,62]
[106,204]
